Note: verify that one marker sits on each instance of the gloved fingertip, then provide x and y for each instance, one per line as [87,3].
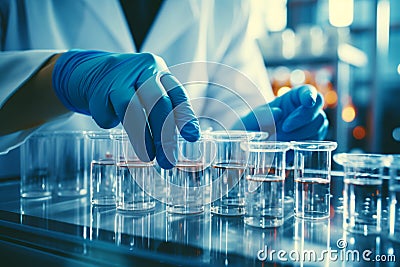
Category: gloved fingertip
[169,81]
[106,123]
[166,153]
[308,95]
[165,165]
[313,99]
[150,152]
[146,157]
[104,116]
[164,162]
[309,99]
[191,131]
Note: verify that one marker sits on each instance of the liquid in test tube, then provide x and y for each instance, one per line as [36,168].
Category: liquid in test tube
[229,191]
[134,178]
[186,180]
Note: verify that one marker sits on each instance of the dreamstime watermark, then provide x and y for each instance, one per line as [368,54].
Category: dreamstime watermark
[340,254]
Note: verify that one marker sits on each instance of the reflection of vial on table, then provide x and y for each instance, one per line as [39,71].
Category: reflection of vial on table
[225,242]
[312,241]
[30,209]
[134,231]
[99,221]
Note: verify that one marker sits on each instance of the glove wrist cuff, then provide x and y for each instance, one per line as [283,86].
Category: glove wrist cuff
[67,84]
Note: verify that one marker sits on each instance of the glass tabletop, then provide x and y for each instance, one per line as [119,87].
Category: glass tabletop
[74,228]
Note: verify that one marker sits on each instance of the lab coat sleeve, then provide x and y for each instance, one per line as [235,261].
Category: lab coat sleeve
[16,67]
[239,50]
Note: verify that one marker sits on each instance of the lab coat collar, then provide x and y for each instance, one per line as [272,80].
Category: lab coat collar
[115,26]
[167,28]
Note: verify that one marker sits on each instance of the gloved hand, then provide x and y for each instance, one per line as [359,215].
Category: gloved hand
[298,115]
[135,89]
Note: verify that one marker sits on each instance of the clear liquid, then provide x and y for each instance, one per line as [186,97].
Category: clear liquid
[264,200]
[187,174]
[228,189]
[185,192]
[289,186]
[362,205]
[312,198]
[135,186]
[103,182]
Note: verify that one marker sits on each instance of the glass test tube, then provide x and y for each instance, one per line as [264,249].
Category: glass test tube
[312,177]
[37,166]
[71,163]
[186,181]
[362,194]
[102,169]
[135,178]
[265,185]
[229,169]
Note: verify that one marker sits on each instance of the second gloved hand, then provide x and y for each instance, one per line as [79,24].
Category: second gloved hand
[298,115]
[135,89]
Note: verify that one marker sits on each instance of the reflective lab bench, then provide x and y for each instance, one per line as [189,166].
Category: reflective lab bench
[62,231]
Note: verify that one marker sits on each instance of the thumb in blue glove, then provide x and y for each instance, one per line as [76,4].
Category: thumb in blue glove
[297,115]
[104,85]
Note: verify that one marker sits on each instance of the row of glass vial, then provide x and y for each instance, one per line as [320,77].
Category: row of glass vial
[238,173]
[54,163]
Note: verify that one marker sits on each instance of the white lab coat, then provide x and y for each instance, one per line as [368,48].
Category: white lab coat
[184,31]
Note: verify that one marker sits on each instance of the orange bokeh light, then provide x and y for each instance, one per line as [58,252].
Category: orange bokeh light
[348,113]
[331,98]
[283,90]
[359,132]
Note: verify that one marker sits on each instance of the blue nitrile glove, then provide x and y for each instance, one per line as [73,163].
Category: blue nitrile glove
[298,115]
[107,86]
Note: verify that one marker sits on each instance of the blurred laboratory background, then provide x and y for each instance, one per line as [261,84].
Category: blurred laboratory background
[350,51]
